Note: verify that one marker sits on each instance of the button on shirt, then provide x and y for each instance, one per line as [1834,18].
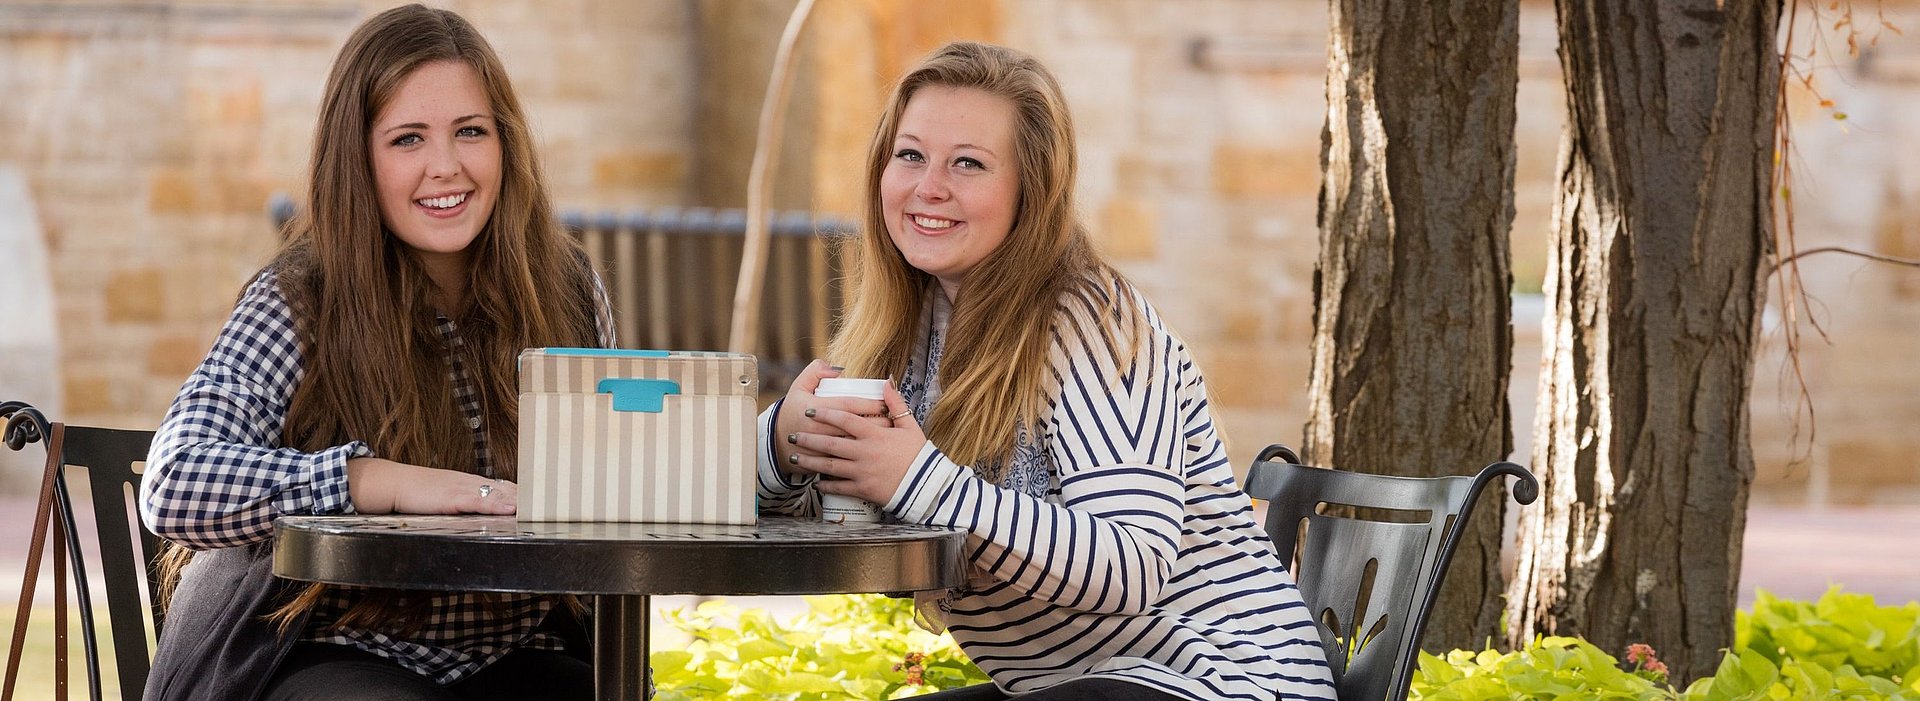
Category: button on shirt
[218,476]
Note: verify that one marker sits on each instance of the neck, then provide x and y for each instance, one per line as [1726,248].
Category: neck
[448,272]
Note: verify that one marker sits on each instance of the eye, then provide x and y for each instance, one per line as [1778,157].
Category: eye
[909,155]
[969,164]
[471,132]
[407,139]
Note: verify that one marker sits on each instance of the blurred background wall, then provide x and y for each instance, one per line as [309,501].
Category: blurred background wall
[145,137]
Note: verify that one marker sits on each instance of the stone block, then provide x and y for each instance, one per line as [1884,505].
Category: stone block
[1159,172]
[1239,171]
[640,170]
[1129,228]
[172,190]
[1096,21]
[1259,375]
[1875,461]
[89,393]
[226,118]
[136,295]
[242,193]
[203,292]
[176,354]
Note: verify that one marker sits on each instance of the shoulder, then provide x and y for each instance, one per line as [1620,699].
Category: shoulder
[264,302]
[262,322]
[1109,318]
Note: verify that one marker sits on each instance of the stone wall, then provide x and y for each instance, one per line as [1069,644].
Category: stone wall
[1199,126]
[151,133]
[1851,438]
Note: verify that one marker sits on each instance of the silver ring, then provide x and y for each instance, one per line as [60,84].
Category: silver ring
[486,490]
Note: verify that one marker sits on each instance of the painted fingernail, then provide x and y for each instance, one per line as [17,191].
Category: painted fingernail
[793,438]
[809,413]
[793,459]
[836,368]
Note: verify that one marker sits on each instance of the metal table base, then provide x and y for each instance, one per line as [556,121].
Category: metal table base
[620,662]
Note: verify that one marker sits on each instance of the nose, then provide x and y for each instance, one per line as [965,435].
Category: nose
[932,186]
[443,161]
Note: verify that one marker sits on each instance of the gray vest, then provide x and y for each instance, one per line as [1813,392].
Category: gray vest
[216,643]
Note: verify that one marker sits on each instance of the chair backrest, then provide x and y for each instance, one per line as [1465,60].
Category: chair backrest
[128,551]
[109,456]
[1369,553]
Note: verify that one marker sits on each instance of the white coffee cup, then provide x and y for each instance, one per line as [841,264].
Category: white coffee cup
[861,387]
[834,507]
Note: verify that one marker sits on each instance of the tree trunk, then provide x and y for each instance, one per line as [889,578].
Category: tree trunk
[1662,225]
[1412,337]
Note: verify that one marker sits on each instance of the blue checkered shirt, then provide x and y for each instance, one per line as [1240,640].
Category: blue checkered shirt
[217,476]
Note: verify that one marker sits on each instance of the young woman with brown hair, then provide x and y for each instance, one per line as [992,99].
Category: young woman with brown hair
[369,368]
[1066,427]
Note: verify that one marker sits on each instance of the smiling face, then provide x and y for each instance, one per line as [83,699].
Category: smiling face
[949,192]
[436,164]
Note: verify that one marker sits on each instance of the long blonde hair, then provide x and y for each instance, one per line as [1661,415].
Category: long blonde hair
[995,369]
[375,366]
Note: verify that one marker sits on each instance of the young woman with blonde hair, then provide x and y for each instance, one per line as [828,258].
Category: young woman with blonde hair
[369,368]
[1045,409]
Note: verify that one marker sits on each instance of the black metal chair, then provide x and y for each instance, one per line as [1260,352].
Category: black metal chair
[128,551]
[1369,553]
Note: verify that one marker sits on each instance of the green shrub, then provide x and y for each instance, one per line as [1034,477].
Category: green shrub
[1549,668]
[843,647]
[1838,629]
[1748,674]
[1842,646]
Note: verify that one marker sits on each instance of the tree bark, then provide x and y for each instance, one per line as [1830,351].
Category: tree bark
[1412,336]
[1661,228]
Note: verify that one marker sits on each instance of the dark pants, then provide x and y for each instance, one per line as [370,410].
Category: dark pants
[1083,689]
[323,671]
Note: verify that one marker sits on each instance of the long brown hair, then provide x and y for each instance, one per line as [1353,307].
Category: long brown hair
[375,368]
[995,367]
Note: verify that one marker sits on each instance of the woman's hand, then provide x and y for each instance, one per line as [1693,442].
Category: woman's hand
[798,413]
[868,459]
[379,486]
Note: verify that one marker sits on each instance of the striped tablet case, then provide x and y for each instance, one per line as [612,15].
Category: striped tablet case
[634,435]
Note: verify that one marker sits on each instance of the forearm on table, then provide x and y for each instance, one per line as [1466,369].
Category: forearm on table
[1105,551]
[215,495]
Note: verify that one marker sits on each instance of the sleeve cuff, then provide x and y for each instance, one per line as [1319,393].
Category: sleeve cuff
[326,493]
[772,479]
[918,495]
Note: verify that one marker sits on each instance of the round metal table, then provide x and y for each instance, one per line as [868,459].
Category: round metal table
[621,564]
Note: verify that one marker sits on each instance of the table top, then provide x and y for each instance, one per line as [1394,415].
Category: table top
[778,555]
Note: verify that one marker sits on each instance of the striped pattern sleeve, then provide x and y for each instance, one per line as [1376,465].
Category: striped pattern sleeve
[216,475]
[776,492]
[1115,440]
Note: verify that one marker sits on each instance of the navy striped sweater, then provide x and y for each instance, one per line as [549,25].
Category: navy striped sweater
[1142,560]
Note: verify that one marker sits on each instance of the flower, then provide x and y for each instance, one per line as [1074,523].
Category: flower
[1645,663]
[1640,654]
[912,665]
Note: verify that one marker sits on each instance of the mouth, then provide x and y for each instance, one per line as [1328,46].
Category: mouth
[443,201]
[442,206]
[932,225]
